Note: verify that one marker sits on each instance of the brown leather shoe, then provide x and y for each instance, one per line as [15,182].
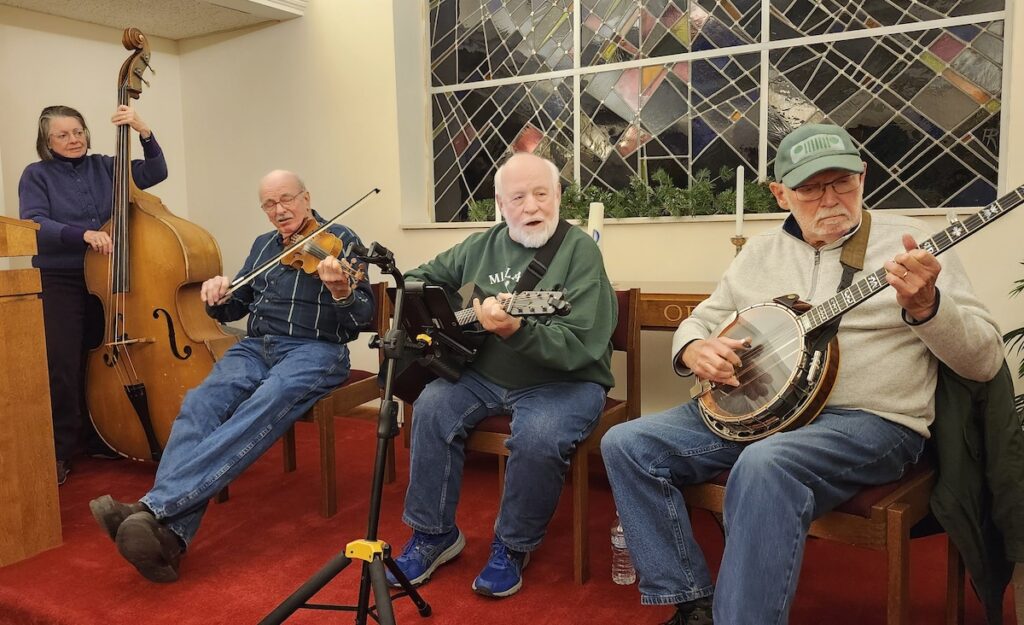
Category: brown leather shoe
[110,513]
[152,548]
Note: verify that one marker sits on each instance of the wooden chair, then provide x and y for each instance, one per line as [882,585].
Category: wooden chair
[490,435]
[360,387]
[879,518]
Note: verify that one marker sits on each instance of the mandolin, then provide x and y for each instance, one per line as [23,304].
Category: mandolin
[444,350]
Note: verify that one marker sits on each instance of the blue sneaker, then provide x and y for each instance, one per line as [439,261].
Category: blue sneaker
[424,553]
[503,574]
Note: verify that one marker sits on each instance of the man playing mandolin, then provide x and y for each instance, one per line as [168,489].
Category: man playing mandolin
[873,424]
[550,374]
[294,353]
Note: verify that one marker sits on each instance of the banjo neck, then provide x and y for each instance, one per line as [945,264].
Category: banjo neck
[845,300]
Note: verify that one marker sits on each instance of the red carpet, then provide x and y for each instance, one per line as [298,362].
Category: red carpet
[261,545]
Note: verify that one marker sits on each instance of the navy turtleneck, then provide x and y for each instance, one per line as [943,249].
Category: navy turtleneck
[75,162]
[68,196]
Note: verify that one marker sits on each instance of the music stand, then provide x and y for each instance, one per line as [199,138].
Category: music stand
[374,553]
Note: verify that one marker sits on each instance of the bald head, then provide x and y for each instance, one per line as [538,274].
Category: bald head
[279,177]
[285,201]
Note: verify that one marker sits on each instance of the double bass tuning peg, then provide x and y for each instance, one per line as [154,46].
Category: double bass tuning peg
[145,61]
[138,74]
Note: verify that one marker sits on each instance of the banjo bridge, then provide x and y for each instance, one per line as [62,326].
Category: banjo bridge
[700,388]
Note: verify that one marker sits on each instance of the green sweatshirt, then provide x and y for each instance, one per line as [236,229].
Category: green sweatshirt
[545,349]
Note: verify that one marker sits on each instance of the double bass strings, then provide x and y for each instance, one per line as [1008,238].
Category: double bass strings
[118,281]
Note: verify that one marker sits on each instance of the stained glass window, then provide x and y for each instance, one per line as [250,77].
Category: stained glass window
[630,87]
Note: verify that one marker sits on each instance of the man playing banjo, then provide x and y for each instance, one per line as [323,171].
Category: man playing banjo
[872,426]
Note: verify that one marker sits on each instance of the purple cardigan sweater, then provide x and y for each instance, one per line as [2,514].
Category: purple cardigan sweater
[66,197]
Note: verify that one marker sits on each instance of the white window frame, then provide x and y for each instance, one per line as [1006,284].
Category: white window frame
[414,93]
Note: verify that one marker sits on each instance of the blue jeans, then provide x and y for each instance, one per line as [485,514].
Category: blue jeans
[255,392]
[777,486]
[548,421]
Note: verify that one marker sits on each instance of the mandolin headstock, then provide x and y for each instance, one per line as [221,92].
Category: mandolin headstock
[538,303]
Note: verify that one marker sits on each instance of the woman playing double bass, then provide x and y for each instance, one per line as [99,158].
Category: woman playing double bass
[69,193]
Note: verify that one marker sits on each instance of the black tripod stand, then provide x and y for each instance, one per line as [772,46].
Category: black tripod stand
[374,553]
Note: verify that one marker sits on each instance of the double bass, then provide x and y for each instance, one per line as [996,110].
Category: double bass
[158,341]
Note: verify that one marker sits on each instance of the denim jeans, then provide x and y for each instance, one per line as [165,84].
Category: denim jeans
[777,486]
[254,393]
[548,421]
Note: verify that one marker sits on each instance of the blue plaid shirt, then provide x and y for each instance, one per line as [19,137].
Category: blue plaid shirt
[285,301]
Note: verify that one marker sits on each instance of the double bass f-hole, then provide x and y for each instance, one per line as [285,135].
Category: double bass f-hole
[171,337]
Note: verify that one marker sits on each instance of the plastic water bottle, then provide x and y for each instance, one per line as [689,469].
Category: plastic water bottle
[622,568]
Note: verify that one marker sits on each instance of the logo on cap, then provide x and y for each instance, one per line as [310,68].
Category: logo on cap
[814,146]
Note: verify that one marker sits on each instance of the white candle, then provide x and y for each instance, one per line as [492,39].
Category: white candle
[739,201]
[595,223]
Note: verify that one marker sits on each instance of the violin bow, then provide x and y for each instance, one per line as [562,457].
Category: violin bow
[238,283]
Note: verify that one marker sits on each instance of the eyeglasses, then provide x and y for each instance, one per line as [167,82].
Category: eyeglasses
[285,201]
[64,137]
[811,192]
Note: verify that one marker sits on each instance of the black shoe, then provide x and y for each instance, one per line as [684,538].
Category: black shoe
[151,548]
[696,612]
[63,468]
[111,513]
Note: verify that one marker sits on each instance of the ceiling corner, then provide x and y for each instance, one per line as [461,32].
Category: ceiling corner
[270,9]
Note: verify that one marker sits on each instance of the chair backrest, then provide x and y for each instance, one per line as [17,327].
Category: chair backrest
[626,338]
[382,319]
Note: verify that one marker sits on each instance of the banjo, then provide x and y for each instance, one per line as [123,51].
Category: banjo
[792,360]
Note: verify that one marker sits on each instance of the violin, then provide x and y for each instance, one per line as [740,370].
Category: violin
[306,257]
[317,247]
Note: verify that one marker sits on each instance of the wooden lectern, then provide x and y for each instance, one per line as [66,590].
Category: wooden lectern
[29,510]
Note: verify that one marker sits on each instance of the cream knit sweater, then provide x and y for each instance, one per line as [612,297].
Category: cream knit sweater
[887,366]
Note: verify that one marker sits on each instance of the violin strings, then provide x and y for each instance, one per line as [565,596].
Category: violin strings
[314,249]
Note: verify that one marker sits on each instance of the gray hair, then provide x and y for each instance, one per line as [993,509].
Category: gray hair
[43,138]
[556,177]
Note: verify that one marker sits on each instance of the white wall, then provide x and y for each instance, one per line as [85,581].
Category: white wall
[320,95]
[46,60]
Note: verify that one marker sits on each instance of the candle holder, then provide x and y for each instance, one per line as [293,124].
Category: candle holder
[739,241]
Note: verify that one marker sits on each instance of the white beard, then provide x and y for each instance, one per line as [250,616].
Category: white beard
[535,238]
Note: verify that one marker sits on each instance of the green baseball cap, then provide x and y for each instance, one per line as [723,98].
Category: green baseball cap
[813,148]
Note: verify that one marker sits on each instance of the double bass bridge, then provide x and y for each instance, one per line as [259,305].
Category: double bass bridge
[114,348]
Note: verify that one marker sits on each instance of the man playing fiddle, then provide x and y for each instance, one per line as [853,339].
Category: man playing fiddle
[294,353]
[873,426]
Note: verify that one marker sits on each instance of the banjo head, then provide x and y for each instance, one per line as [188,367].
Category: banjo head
[769,364]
